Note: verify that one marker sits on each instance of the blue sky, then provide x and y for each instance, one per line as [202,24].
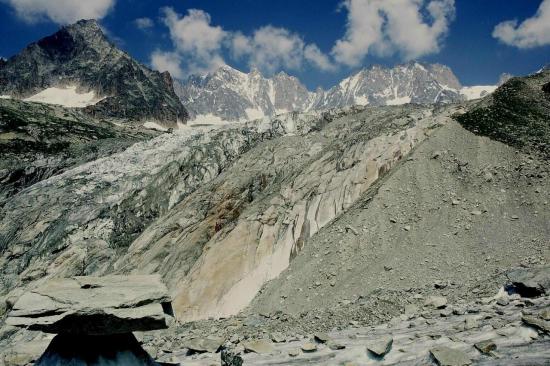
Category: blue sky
[319,41]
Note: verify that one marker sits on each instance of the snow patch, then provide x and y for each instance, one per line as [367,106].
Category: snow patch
[476,92]
[67,97]
[254,113]
[5,97]
[361,100]
[207,119]
[154,126]
[398,101]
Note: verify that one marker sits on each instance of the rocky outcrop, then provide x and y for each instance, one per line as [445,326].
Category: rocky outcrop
[80,55]
[94,318]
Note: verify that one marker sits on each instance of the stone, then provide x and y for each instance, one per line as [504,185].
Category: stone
[540,324]
[277,337]
[230,357]
[94,305]
[486,347]
[529,282]
[381,347]
[476,213]
[545,314]
[309,347]
[438,302]
[78,349]
[260,346]
[470,323]
[335,346]
[503,301]
[445,356]
[295,352]
[201,345]
[321,337]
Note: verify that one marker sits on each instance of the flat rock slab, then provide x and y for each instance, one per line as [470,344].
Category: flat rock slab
[204,344]
[94,305]
[260,346]
[445,356]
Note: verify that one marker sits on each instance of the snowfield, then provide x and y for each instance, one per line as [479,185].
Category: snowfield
[67,97]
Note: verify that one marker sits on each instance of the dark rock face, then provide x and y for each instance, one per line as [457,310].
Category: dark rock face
[516,114]
[119,349]
[81,54]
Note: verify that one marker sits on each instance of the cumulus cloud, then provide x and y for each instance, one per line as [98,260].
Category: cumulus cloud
[532,32]
[199,46]
[197,43]
[167,61]
[272,48]
[411,28]
[60,11]
[144,23]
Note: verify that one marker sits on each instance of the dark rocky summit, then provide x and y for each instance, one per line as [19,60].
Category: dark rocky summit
[80,54]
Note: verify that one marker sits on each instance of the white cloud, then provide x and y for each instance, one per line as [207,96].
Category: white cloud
[197,43]
[271,48]
[313,54]
[532,32]
[60,11]
[193,32]
[144,23]
[199,46]
[412,28]
[167,61]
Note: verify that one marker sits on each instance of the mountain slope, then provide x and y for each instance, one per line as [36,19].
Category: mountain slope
[80,59]
[517,113]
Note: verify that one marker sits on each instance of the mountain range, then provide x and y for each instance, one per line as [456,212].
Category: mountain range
[228,94]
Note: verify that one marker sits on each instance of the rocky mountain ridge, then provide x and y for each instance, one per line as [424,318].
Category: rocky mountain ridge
[79,59]
[231,95]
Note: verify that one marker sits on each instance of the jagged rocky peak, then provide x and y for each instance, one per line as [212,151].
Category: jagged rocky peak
[227,94]
[412,82]
[79,67]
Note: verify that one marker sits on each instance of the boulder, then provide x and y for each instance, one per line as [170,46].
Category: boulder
[445,356]
[201,345]
[529,282]
[258,346]
[381,347]
[94,306]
